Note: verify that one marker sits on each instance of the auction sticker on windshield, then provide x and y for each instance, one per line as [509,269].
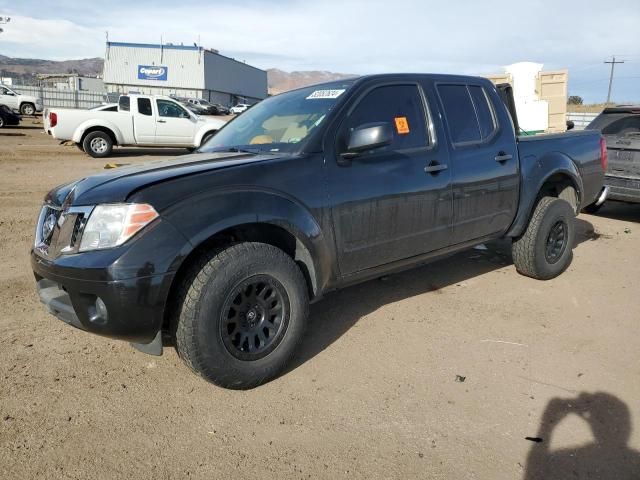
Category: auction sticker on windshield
[326,94]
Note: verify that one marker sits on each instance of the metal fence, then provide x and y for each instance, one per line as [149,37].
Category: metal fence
[52,97]
[581,120]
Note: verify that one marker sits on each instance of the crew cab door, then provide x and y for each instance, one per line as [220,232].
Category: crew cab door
[484,160]
[174,125]
[8,98]
[385,206]
[144,121]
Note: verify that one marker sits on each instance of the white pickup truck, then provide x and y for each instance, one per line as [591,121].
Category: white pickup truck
[25,104]
[139,120]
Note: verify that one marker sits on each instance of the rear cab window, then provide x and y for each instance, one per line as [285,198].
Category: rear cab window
[124,104]
[401,106]
[469,113]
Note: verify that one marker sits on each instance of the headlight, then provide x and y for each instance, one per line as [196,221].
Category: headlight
[112,225]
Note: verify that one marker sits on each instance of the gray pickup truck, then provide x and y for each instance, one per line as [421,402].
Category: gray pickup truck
[620,126]
[306,192]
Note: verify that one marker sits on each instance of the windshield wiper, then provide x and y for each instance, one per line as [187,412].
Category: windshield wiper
[240,149]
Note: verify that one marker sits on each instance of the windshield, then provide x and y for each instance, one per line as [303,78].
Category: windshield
[281,123]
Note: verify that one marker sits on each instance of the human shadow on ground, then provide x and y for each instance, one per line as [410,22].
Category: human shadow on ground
[333,316]
[608,457]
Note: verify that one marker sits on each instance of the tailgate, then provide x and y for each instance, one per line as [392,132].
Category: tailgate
[624,156]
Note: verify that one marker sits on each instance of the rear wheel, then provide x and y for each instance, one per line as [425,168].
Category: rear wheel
[27,109]
[242,312]
[544,251]
[1,122]
[98,144]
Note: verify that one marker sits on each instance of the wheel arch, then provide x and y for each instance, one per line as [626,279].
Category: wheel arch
[285,237]
[559,178]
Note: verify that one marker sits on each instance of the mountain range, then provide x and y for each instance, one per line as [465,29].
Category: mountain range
[25,68]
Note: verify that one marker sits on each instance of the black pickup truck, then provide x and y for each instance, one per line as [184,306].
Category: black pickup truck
[221,251]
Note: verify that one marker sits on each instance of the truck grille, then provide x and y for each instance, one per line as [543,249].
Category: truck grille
[59,231]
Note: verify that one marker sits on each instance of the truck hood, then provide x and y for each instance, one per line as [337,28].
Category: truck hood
[117,184]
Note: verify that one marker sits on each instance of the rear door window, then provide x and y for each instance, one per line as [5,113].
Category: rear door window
[460,113]
[484,111]
[400,106]
[144,106]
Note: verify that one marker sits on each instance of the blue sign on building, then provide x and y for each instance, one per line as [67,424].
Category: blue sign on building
[152,72]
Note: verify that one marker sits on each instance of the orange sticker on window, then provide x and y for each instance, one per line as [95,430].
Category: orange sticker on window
[402,125]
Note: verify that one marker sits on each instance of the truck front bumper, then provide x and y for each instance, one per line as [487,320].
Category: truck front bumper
[121,292]
[130,309]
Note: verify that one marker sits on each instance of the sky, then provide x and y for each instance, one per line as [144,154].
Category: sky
[353,36]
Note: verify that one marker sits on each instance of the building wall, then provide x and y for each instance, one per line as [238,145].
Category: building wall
[190,72]
[185,65]
[225,75]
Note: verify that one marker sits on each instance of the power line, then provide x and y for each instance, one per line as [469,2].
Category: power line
[613,64]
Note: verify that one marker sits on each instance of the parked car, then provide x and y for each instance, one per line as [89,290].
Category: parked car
[307,192]
[25,104]
[141,120]
[222,110]
[621,127]
[7,117]
[239,108]
[210,108]
[196,109]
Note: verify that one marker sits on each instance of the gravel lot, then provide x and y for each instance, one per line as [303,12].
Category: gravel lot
[377,390]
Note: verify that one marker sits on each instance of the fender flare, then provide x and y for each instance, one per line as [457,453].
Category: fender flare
[206,214]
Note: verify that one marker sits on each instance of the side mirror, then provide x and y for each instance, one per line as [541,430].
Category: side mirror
[570,125]
[368,137]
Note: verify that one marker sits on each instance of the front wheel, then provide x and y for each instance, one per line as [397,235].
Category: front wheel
[545,249]
[241,313]
[98,144]
[27,109]
[206,137]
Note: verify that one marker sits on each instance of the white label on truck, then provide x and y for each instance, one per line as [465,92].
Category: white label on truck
[326,94]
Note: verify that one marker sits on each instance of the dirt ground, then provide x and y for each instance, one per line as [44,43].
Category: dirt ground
[438,372]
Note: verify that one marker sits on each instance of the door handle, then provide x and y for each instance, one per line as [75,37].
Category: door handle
[162,121]
[435,167]
[503,157]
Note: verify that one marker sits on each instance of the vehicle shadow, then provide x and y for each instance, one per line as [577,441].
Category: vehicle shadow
[334,315]
[37,126]
[628,212]
[607,457]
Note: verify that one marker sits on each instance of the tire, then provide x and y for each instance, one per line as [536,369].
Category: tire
[206,137]
[222,307]
[593,208]
[97,144]
[545,249]
[80,147]
[1,122]
[27,109]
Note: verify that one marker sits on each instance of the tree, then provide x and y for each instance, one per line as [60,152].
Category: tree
[574,100]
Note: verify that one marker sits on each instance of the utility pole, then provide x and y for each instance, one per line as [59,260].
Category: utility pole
[613,64]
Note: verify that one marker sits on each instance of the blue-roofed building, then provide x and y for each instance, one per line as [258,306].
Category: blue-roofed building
[183,71]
